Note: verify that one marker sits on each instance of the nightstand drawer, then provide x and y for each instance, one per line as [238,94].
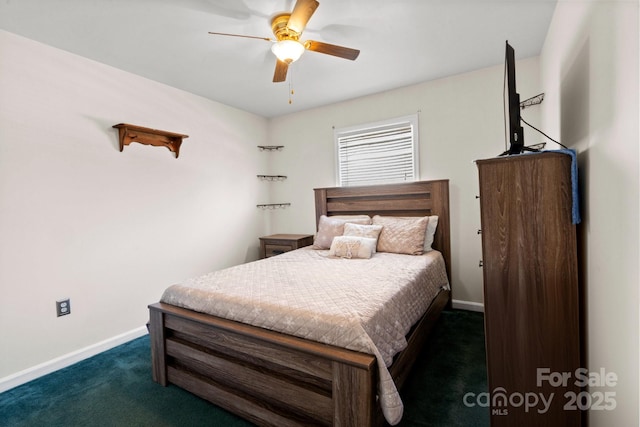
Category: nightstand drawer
[271,250]
[277,244]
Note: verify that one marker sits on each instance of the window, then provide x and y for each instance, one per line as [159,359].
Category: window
[378,153]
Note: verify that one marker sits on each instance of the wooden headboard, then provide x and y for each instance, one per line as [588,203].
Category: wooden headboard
[419,198]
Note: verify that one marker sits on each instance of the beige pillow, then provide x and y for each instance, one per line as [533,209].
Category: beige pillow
[352,217]
[330,227]
[401,235]
[360,230]
[352,247]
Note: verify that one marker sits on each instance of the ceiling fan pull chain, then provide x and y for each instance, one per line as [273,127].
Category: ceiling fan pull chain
[291,86]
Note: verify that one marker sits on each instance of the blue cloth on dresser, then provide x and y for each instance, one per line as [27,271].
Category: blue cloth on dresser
[575,194]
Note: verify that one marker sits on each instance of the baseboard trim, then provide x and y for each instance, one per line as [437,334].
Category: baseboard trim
[467,305]
[69,359]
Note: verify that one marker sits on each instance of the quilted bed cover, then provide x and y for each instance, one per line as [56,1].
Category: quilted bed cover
[366,305]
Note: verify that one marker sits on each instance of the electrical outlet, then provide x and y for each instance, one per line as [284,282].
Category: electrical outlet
[63,307]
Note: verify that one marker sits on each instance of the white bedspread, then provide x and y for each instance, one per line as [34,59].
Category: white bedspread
[366,305]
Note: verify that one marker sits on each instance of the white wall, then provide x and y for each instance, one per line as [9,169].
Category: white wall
[110,229]
[460,120]
[589,67]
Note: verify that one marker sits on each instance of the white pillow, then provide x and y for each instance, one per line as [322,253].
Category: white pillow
[431,231]
[352,247]
[361,230]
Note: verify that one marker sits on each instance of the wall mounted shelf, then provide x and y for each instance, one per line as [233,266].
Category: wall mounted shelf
[272,177]
[159,138]
[534,100]
[273,205]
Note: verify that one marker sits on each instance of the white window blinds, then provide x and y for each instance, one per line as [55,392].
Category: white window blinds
[378,153]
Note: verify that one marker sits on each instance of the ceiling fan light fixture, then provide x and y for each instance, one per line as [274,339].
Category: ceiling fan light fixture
[288,50]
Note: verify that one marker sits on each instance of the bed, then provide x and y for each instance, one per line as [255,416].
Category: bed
[280,379]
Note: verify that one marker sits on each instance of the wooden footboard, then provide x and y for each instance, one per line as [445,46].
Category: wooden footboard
[269,378]
[263,376]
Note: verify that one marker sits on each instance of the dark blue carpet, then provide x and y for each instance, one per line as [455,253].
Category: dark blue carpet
[115,388]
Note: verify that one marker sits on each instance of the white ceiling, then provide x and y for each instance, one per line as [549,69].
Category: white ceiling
[402,42]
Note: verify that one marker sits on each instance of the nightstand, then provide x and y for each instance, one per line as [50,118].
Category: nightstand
[277,244]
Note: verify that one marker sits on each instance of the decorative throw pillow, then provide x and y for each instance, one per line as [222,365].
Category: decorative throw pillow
[360,230]
[330,227]
[352,247]
[350,218]
[431,231]
[401,235]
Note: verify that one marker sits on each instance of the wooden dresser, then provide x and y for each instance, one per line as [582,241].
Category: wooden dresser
[531,293]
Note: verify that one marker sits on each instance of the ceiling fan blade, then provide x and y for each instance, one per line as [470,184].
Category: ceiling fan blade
[280,74]
[301,14]
[241,35]
[332,49]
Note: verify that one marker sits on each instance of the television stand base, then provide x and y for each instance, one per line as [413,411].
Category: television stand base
[530,149]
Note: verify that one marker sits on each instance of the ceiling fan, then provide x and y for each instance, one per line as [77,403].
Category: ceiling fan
[287,47]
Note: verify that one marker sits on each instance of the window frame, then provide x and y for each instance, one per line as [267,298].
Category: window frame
[402,121]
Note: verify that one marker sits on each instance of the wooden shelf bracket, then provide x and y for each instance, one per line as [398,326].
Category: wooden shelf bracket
[159,138]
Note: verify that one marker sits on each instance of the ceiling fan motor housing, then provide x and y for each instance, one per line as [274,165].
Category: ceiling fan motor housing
[281,30]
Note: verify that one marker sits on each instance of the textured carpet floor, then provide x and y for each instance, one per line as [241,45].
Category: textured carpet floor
[115,388]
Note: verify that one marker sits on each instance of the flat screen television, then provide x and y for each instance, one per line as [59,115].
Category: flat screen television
[512,104]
